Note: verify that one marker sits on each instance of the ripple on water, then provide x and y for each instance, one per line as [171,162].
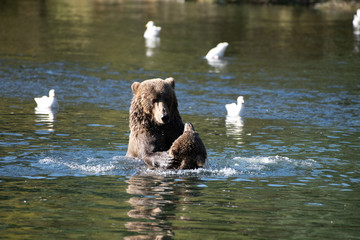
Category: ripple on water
[86,163]
[258,166]
[105,163]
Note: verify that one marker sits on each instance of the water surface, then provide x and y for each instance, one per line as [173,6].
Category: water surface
[287,170]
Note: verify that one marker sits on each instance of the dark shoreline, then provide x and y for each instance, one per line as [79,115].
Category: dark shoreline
[332,5]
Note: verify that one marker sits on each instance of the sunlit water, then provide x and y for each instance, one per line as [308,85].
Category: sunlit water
[287,170]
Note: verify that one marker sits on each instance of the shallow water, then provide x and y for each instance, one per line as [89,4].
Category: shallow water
[287,170]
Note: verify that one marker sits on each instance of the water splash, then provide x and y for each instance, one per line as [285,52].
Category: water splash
[273,165]
[257,166]
[103,163]
[86,165]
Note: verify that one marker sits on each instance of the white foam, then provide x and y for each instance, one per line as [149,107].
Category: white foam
[272,165]
[259,160]
[47,161]
[225,172]
[85,165]
[95,169]
[237,166]
[86,168]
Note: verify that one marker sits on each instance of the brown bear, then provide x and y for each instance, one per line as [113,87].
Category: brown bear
[188,150]
[155,122]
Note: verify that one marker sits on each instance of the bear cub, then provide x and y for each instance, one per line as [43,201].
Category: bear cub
[188,150]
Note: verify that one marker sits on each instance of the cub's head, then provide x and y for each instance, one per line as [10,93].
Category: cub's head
[156,99]
[188,127]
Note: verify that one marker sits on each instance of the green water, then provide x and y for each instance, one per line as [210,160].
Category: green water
[290,170]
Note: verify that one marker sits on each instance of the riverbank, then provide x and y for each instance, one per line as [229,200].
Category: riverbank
[335,5]
[327,5]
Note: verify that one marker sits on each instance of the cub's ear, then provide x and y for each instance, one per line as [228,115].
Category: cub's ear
[171,81]
[134,87]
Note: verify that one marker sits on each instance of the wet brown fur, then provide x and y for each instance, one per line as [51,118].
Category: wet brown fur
[152,135]
[150,138]
[188,150]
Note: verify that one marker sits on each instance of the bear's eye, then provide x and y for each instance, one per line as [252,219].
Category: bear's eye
[154,100]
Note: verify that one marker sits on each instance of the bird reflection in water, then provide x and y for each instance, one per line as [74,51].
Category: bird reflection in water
[218,65]
[234,127]
[356,40]
[151,45]
[46,117]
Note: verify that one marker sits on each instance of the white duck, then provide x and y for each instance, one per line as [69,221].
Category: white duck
[234,110]
[47,101]
[217,52]
[152,31]
[356,20]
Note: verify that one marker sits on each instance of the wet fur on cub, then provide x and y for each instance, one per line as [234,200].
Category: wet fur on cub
[188,150]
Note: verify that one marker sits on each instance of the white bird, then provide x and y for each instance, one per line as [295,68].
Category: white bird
[47,101]
[356,20]
[217,52]
[151,31]
[234,109]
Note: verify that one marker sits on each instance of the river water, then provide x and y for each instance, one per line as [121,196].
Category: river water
[289,169]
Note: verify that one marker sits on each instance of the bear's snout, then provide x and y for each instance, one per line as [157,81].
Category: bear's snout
[161,113]
[165,118]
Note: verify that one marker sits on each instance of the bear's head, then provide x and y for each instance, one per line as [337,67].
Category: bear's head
[156,98]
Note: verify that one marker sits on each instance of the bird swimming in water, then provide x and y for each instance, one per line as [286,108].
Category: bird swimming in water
[152,31]
[217,52]
[47,101]
[234,110]
[356,20]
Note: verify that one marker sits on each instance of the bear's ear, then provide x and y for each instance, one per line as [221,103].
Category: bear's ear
[171,81]
[134,87]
